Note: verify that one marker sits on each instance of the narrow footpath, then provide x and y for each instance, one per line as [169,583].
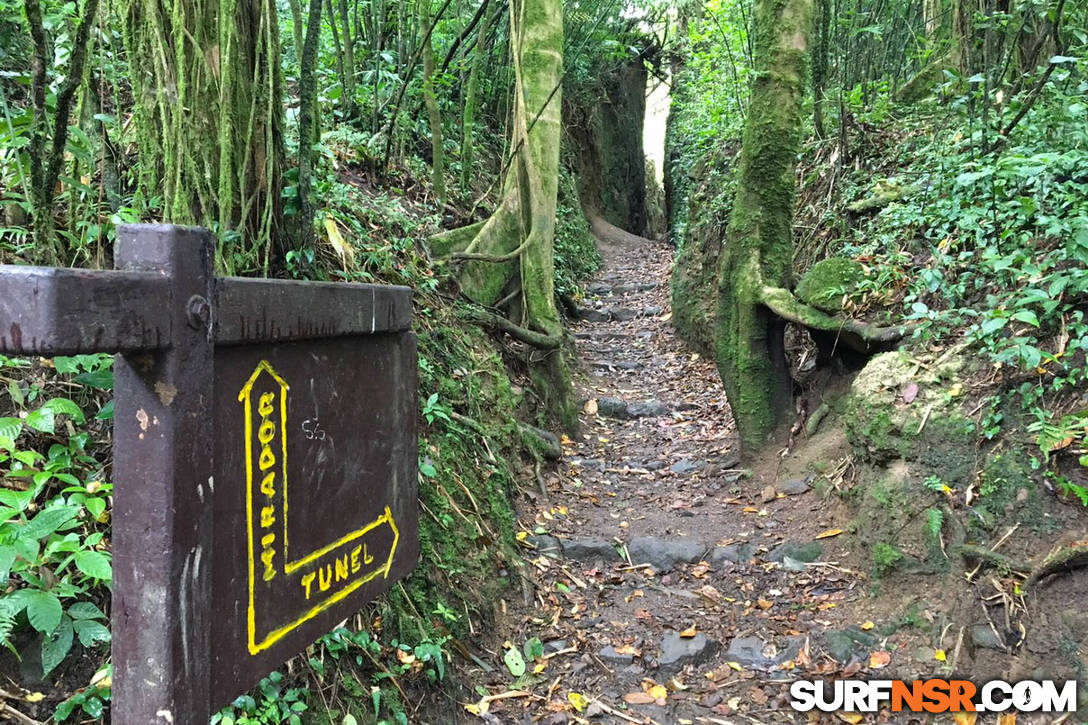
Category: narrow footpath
[671,585]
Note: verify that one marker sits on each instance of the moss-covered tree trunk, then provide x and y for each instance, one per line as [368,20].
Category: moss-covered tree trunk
[434,114]
[508,259]
[309,123]
[468,117]
[348,79]
[209,113]
[759,248]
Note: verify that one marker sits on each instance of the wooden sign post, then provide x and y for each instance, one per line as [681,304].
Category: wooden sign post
[265,457]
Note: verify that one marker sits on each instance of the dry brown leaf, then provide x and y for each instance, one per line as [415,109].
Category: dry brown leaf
[689,632]
[829,533]
[964,718]
[591,406]
[880,659]
[851,717]
[1007,718]
[639,698]
[764,603]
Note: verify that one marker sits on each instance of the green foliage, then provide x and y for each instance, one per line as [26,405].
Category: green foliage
[934,522]
[88,701]
[576,254]
[885,558]
[272,702]
[53,512]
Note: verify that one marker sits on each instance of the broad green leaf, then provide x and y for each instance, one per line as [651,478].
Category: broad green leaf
[94,564]
[514,662]
[66,407]
[91,632]
[101,379]
[56,646]
[1026,316]
[48,521]
[85,610]
[993,324]
[44,610]
[106,413]
[7,560]
[10,428]
[534,648]
[41,419]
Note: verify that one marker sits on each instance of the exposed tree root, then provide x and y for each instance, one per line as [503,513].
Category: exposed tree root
[1067,559]
[529,337]
[987,556]
[860,336]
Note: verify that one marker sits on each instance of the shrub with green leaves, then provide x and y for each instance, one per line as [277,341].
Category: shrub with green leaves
[55,565]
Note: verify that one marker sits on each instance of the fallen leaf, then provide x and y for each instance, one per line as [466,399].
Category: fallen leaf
[689,632]
[867,626]
[940,656]
[964,718]
[514,661]
[764,604]
[1008,718]
[38,696]
[910,392]
[658,692]
[851,717]
[638,698]
[577,700]
[736,666]
[880,659]
[591,406]
[829,533]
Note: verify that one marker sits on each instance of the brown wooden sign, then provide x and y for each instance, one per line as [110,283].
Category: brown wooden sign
[265,457]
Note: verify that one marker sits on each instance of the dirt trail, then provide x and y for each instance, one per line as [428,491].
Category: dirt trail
[658,562]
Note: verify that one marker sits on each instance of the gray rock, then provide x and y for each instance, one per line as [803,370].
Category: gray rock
[807,552]
[623,314]
[555,645]
[795,487]
[590,464]
[611,408]
[753,654]
[844,644]
[685,466]
[655,465]
[651,310]
[740,553]
[677,651]
[611,656]
[589,550]
[598,288]
[592,315]
[647,409]
[664,554]
[546,544]
[982,635]
[616,364]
